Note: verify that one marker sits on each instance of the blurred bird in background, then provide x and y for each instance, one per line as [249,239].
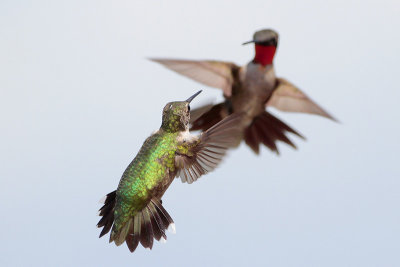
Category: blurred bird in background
[249,89]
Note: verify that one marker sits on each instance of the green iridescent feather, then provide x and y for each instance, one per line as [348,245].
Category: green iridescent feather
[150,169]
[134,210]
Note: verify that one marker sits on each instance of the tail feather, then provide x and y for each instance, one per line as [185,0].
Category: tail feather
[251,137]
[267,129]
[157,224]
[146,239]
[143,227]
[281,124]
[267,137]
[276,130]
[165,218]
[132,241]
[107,211]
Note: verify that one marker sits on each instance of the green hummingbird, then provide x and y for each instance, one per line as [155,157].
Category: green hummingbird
[134,210]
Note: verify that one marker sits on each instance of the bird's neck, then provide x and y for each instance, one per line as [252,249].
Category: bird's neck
[264,54]
[173,125]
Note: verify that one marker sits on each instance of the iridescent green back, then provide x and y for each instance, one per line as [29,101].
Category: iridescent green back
[148,175]
[153,169]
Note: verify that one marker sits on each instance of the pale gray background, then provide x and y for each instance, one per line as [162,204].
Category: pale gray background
[78,98]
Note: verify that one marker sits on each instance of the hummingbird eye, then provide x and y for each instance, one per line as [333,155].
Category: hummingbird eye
[188,108]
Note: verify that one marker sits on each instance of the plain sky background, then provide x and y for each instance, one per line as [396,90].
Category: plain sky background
[78,98]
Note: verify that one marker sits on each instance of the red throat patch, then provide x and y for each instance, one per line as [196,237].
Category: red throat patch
[264,54]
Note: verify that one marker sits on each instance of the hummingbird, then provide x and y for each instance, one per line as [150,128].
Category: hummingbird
[249,89]
[134,212]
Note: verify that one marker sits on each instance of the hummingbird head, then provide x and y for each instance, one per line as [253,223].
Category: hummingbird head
[176,115]
[265,42]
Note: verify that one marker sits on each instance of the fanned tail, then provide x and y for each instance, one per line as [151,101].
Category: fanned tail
[143,227]
[264,129]
[267,129]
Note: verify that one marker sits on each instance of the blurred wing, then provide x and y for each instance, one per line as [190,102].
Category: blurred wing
[287,97]
[215,74]
[197,112]
[210,148]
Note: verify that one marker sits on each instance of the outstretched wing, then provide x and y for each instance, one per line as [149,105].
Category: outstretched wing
[217,74]
[287,97]
[203,155]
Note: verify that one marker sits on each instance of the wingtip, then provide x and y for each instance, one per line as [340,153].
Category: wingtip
[159,60]
[152,59]
[334,119]
[325,114]
[328,116]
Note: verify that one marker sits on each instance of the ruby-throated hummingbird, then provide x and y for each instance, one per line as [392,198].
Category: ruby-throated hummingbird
[249,89]
[134,210]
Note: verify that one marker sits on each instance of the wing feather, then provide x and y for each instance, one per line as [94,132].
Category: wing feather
[211,147]
[288,97]
[217,74]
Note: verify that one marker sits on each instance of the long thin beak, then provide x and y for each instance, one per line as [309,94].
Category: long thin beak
[249,42]
[193,96]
